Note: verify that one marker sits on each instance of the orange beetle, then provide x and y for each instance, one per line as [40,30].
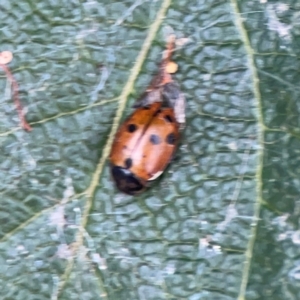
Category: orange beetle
[145,143]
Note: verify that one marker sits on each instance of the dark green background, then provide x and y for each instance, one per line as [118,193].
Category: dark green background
[221,223]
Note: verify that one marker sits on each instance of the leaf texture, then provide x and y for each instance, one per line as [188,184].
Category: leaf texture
[221,223]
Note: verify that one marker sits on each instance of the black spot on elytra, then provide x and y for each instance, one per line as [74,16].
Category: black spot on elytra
[157,112]
[131,128]
[154,139]
[128,163]
[146,107]
[169,119]
[170,139]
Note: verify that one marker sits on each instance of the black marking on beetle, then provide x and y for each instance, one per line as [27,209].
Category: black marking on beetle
[154,139]
[128,163]
[157,112]
[146,107]
[170,139]
[131,128]
[168,118]
[126,181]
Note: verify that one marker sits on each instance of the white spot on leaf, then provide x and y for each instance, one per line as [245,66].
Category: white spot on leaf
[296,237]
[274,23]
[170,269]
[230,215]
[101,262]
[69,191]
[232,146]
[57,217]
[64,251]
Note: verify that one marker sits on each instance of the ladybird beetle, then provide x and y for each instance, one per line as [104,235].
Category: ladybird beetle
[145,143]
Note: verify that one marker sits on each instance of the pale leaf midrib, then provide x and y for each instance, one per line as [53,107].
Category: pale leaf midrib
[105,152]
[260,129]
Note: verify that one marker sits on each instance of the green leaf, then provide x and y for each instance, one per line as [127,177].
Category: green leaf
[223,220]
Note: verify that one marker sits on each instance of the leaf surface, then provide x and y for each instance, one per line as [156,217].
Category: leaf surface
[221,223]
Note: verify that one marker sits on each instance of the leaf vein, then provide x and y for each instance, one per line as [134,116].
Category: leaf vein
[260,138]
[122,103]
